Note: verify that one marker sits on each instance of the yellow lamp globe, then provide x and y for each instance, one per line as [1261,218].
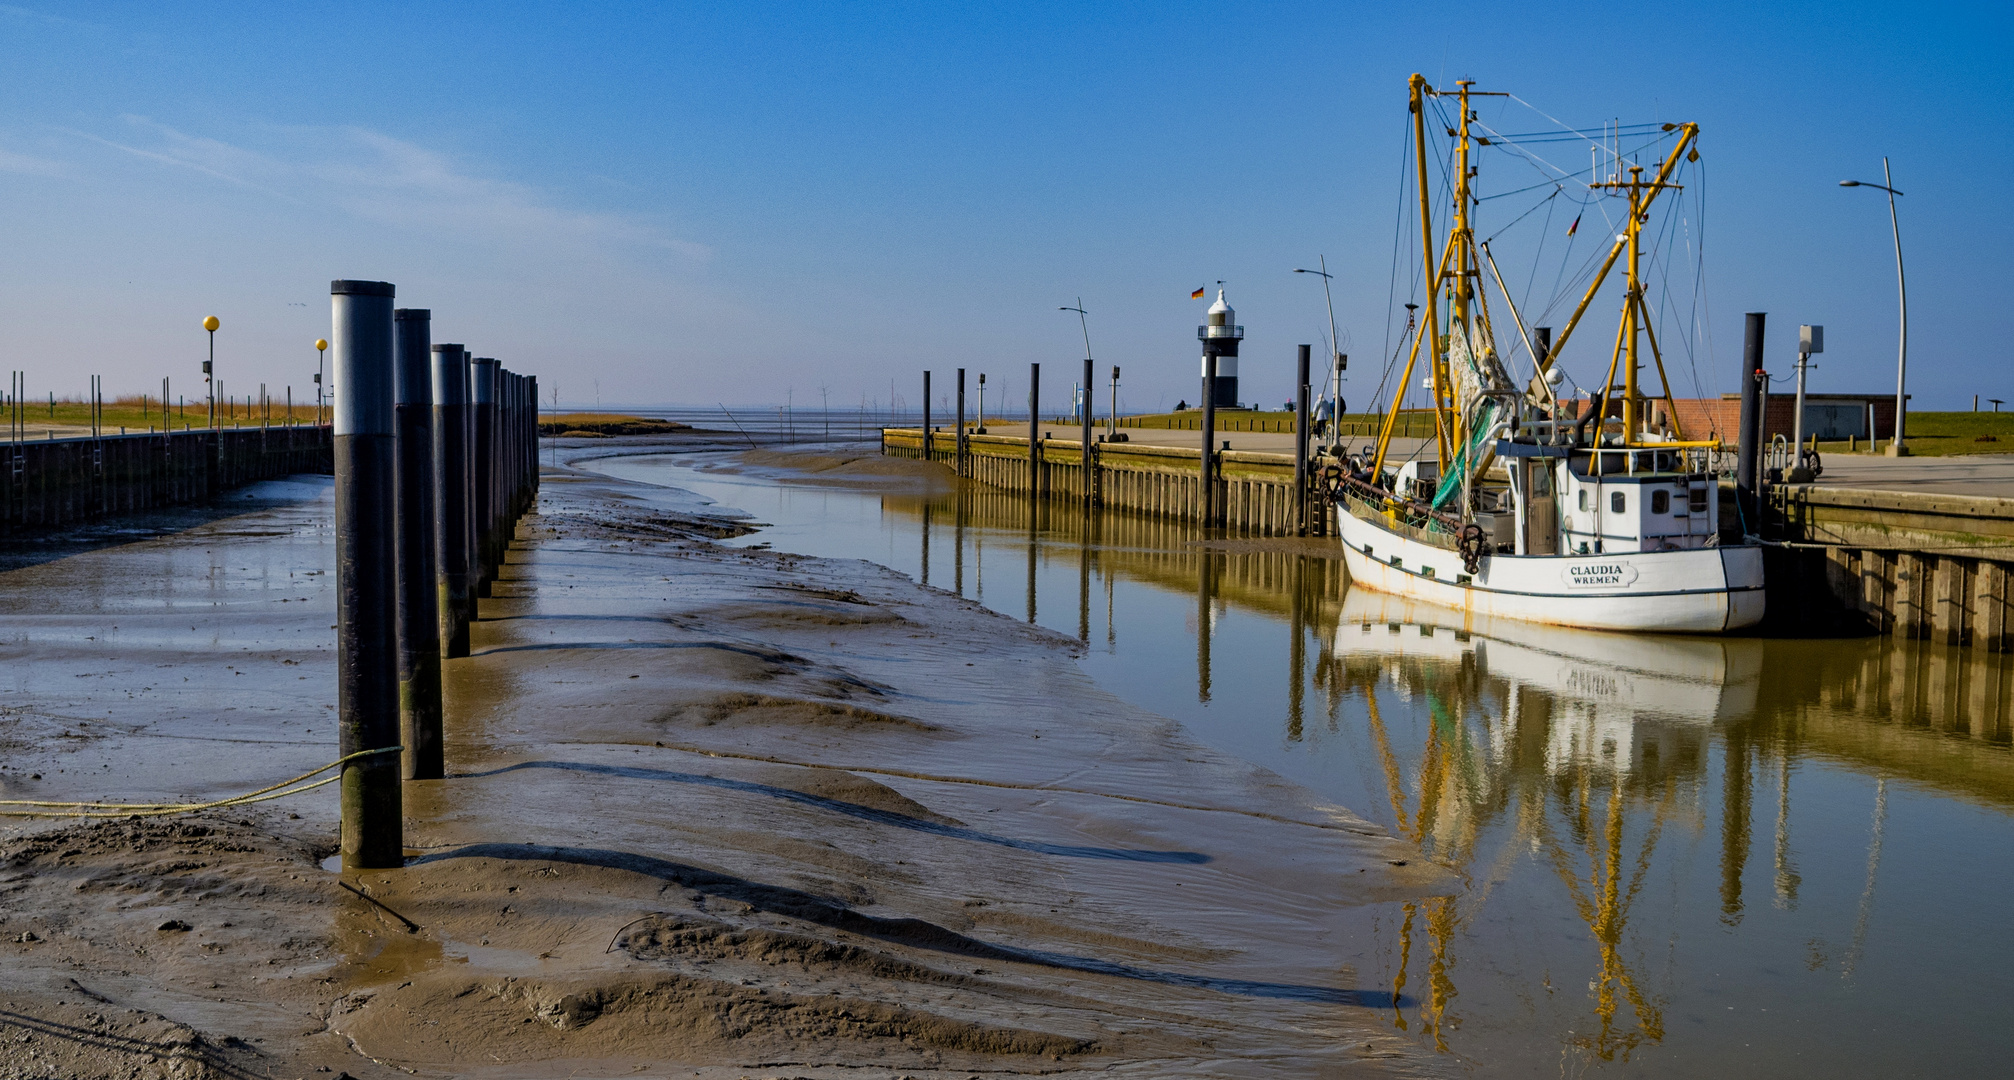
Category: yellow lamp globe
[210,323]
[321,344]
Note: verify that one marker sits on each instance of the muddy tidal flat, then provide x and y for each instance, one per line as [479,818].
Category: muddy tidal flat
[712,811]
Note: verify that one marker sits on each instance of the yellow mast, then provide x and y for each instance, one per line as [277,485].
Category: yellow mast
[1458,267]
[1458,283]
[1635,310]
[1417,87]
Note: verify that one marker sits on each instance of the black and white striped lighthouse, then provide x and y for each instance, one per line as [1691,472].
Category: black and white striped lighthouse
[1220,334]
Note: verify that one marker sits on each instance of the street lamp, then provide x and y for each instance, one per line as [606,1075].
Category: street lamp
[1896,446]
[210,323]
[1083,322]
[1337,362]
[321,350]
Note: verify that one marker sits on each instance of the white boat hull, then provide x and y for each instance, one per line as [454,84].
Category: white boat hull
[1699,590]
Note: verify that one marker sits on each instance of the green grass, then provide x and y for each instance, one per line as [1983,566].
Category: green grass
[603,424]
[1943,434]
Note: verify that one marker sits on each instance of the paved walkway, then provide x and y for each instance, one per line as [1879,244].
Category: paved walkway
[1970,474]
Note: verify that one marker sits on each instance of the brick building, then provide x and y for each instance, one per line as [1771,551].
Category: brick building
[1828,416]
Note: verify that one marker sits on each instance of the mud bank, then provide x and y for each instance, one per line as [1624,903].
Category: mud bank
[713,812]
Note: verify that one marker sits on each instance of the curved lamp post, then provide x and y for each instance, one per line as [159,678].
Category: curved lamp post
[210,323]
[321,351]
[1090,472]
[1896,446]
[1335,357]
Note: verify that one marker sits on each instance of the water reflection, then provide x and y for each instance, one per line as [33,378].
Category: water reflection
[1561,771]
[1679,853]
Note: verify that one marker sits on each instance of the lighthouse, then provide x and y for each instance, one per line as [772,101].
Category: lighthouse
[1220,334]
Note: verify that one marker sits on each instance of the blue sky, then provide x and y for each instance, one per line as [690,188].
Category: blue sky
[671,203]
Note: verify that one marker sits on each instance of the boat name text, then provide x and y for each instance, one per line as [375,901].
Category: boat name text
[1598,575]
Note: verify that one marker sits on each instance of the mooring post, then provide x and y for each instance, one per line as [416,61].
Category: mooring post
[1748,454]
[521,441]
[1301,446]
[418,606]
[1209,462]
[926,416]
[1090,469]
[451,508]
[501,479]
[514,484]
[1034,433]
[531,440]
[483,402]
[367,668]
[472,557]
[959,442]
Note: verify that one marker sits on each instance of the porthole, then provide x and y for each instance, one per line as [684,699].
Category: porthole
[1616,503]
[1660,502]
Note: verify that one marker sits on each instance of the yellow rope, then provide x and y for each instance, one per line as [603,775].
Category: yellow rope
[108,810]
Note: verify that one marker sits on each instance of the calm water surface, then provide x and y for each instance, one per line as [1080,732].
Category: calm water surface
[1684,856]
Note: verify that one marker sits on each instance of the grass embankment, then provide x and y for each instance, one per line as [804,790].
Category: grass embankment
[603,425]
[1943,434]
[136,414]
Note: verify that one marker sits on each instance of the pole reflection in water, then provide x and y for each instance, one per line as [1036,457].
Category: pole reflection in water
[1205,595]
[1034,546]
[1297,651]
[1596,792]
[1084,588]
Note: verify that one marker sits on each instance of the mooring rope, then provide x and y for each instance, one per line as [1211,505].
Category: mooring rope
[113,810]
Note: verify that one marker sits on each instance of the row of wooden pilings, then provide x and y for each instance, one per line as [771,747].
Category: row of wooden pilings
[1254,491]
[59,483]
[435,459]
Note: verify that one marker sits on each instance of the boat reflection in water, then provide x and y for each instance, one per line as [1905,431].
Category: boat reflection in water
[1559,733]
[1681,855]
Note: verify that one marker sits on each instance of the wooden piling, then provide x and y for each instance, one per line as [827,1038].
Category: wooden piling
[418,613]
[367,691]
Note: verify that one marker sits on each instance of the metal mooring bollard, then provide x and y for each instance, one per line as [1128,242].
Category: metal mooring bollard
[366,459]
[418,608]
[451,507]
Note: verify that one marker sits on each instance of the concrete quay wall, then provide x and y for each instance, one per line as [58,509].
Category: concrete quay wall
[1917,565]
[1255,491]
[53,484]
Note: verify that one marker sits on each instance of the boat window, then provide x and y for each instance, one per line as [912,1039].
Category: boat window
[1583,498]
[1660,502]
[1698,500]
[1541,483]
[1616,502]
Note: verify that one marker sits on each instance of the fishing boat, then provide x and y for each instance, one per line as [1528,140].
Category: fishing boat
[1525,503]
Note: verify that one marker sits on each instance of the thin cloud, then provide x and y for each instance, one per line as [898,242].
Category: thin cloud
[29,165]
[376,177]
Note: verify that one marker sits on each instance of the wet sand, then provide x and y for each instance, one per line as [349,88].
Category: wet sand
[712,811]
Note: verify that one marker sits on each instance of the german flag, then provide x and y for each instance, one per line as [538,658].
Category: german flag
[1198,294]
[1575,227]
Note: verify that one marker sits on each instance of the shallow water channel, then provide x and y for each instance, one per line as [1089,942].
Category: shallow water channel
[1683,855]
